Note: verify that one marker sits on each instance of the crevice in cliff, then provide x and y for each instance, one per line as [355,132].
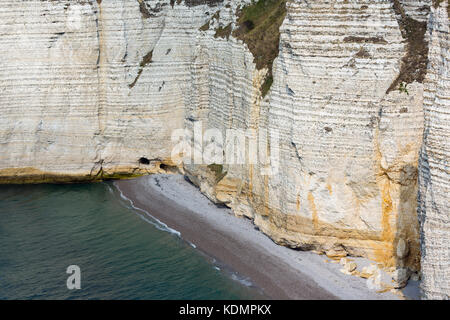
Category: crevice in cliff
[101,90]
[414,63]
[99,173]
[259,28]
[193,3]
[55,38]
[147,59]
[297,152]
[375,40]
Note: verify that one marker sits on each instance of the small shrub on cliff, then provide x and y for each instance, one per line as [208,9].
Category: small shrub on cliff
[218,171]
[402,88]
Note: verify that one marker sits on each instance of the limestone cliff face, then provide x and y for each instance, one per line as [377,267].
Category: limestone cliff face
[434,211]
[94,89]
[347,180]
[90,87]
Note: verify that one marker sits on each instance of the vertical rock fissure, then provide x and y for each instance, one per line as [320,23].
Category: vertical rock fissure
[147,59]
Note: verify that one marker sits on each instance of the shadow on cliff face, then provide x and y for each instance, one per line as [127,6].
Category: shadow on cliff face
[425,195]
[424,183]
[407,237]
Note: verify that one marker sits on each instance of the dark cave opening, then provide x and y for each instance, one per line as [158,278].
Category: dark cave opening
[144,161]
[164,166]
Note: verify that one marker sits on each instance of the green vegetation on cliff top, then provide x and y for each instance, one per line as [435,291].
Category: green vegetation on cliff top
[259,27]
[414,63]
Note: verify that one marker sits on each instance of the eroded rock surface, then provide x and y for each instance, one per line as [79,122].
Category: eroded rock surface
[94,89]
[434,210]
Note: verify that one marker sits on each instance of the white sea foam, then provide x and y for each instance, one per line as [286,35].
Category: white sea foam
[153,221]
[109,188]
[162,226]
[326,275]
[245,282]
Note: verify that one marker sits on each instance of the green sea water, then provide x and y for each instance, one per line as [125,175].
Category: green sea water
[122,253]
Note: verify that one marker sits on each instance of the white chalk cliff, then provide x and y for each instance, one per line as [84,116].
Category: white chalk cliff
[434,193]
[94,89]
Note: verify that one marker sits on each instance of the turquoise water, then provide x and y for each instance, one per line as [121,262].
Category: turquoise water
[46,228]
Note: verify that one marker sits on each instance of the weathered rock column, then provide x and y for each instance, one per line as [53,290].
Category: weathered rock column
[434,178]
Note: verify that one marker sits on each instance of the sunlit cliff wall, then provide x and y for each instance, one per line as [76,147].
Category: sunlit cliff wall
[434,195]
[94,89]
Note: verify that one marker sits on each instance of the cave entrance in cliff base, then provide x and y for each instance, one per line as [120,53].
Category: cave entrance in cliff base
[144,161]
[168,168]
